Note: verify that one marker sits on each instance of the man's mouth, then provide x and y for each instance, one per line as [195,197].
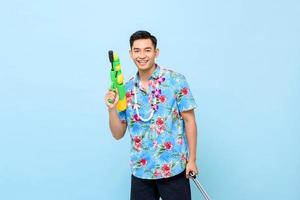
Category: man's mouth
[142,62]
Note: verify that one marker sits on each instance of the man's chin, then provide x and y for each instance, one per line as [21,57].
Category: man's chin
[143,67]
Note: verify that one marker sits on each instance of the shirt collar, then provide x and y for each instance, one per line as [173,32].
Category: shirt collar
[156,72]
[154,75]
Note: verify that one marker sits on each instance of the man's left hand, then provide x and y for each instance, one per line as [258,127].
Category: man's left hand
[191,167]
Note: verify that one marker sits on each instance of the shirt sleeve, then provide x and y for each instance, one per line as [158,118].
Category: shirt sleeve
[184,98]
[122,116]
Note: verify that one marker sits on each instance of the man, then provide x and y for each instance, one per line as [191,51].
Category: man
[161,121]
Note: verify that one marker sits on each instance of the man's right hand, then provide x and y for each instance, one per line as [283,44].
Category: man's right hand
[111,99]
[117,128]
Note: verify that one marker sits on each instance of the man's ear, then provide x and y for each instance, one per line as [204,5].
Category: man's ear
[130,53]
[156,53]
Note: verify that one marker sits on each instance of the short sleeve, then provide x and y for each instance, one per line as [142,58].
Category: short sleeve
[184,98]
[122,116]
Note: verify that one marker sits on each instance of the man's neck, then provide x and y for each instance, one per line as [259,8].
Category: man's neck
[144,75]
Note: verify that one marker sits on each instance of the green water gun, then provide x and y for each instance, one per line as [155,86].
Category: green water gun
[117,79]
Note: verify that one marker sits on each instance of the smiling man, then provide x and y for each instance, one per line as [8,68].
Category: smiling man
[161,121]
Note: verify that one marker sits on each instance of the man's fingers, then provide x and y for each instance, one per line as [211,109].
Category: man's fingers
[111,98]
[188,173]
[191,172]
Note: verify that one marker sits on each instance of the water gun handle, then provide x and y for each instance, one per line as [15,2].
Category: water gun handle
[117,79]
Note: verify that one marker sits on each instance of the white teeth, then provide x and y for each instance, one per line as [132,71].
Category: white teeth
[143,62]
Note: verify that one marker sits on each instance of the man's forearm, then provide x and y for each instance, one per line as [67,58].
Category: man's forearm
[191,133]
[117,128]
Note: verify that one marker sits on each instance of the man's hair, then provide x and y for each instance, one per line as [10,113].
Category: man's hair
[142,35]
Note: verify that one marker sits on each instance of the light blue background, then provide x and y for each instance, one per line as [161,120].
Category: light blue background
[241,59]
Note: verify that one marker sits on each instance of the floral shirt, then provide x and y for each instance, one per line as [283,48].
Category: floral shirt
[159,146]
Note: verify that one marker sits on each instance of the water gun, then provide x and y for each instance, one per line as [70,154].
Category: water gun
[117,78]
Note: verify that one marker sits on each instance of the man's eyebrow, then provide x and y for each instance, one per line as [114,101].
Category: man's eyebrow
[146,48]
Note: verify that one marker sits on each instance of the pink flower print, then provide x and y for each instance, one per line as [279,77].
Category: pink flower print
[152,127]
[137,143]
[149,98]
[160,125]
[157,173]
[168,145]
[137,139]
[161,79]
[175,114]
[166,167]
[183,157]
[136,118]
[138,146]
[154,106]
[166,170]
[155,144]
[151,83]
[162,98]
[180,141]
[160,121]
[129,94]
[143,162]
[156,92]
[185,91]
[160,129]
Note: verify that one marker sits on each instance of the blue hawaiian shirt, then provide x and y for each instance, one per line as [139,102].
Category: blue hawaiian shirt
[159,147]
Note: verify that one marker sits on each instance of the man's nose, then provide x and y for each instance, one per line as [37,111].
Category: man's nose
[142,54]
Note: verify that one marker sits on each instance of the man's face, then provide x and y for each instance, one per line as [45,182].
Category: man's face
[143,54]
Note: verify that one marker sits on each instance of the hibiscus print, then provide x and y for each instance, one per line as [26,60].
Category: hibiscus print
[179,141]
[166,170]
[175,114]
[162,99]
[157,173]
[156,92]
[142,162]
[168,145]
[137,143]
[183,92]
[183,157]
[154,107]
[160,125]
[160,79]
[158,147]
[134,119]
[129,97]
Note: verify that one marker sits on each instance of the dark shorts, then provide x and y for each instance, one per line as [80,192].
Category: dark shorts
[173,188]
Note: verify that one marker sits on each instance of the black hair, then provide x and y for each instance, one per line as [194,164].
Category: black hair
[142,35]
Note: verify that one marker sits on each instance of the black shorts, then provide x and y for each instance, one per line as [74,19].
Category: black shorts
[173,188]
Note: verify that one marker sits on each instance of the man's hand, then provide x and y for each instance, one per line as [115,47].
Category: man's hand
[117,128]
[191,167]
[111,99]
